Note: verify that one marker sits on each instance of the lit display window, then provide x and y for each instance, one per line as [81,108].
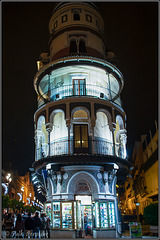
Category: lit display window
[67,215]
[104,214]
[56,214]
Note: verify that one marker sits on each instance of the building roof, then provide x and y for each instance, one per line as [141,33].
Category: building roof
[62,4]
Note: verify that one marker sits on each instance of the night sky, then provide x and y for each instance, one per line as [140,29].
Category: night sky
[130,32]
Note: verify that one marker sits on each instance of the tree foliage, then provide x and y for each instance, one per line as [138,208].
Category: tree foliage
[17,205]
[151,214]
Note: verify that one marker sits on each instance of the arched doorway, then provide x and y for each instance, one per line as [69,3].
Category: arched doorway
[83,186]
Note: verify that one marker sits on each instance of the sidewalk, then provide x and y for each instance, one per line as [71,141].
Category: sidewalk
[145,233]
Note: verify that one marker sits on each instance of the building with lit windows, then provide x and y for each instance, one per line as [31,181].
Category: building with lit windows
[80,125]
[141,187]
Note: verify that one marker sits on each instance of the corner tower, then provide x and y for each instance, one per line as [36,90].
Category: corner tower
[80,135]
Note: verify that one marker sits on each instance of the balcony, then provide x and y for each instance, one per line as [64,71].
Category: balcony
[65,147]
[65,91]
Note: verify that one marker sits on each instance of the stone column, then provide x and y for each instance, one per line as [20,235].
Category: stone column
[93,122]
[68,126]
[38,144]
[59,178]
[68,123]
[106,186]
[48,129]
[113,130]
[123,139]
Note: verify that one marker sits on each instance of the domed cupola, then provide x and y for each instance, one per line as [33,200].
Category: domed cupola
[76,29]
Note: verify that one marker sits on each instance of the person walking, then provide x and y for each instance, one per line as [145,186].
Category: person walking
[28,225]
[19,227]
[43,225]
[48,226]
[86,223]
[9,224]
[36,223]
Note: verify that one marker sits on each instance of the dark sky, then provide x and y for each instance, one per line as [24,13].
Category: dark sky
[130,32]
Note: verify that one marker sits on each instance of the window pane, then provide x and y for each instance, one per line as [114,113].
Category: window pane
[76,87]
[84,133]
[104,215]
[82,87]
[77,136]
[111,215]
[67,215]
[56,214]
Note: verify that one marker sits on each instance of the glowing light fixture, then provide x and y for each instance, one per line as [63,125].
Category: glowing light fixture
[20,196]
[5,187]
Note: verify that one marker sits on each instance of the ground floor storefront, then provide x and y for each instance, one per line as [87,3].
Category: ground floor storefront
[82,217]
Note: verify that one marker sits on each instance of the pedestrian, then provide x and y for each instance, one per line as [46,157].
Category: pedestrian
[48,226]
[9,224]
[19,228]
[29,223]
[86,223]
[36,223]
[43,224]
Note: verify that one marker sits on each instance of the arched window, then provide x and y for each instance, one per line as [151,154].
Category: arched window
[82,47]
[76,16]
[73,47]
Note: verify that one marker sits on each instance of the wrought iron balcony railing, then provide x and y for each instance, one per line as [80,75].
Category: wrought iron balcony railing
[65,91]
[66,147]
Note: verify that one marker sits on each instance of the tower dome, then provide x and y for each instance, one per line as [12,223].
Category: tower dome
[80,125]
[76,29]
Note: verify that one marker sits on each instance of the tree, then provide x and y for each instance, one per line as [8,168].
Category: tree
[6,201]
[151,214]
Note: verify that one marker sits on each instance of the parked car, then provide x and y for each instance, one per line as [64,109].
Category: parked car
[126,219]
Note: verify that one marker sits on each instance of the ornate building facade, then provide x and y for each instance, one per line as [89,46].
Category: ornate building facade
[141,187]
[80,125]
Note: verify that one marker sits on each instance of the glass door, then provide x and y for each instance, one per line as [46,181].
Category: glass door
[79,87]
[67,220]
[56,214]
[80,138]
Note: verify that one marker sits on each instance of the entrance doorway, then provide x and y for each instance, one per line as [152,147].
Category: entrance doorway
[79,87]
[86,214]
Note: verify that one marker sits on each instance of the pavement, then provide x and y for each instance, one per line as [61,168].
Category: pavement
[145,233]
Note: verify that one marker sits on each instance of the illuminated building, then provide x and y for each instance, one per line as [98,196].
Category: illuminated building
[18,187]
[80,135]
[141,188]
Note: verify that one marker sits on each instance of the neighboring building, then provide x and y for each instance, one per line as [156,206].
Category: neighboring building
[24,189]
[80,125]
[142,189]
[18,187]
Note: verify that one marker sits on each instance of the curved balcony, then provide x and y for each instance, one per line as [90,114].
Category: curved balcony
[96,147]
[79,90]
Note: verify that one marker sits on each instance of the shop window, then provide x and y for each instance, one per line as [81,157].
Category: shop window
[88,18]
[73,47]
[76,16]
[64,18]
[81,138]
[104,215]
[82,47]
